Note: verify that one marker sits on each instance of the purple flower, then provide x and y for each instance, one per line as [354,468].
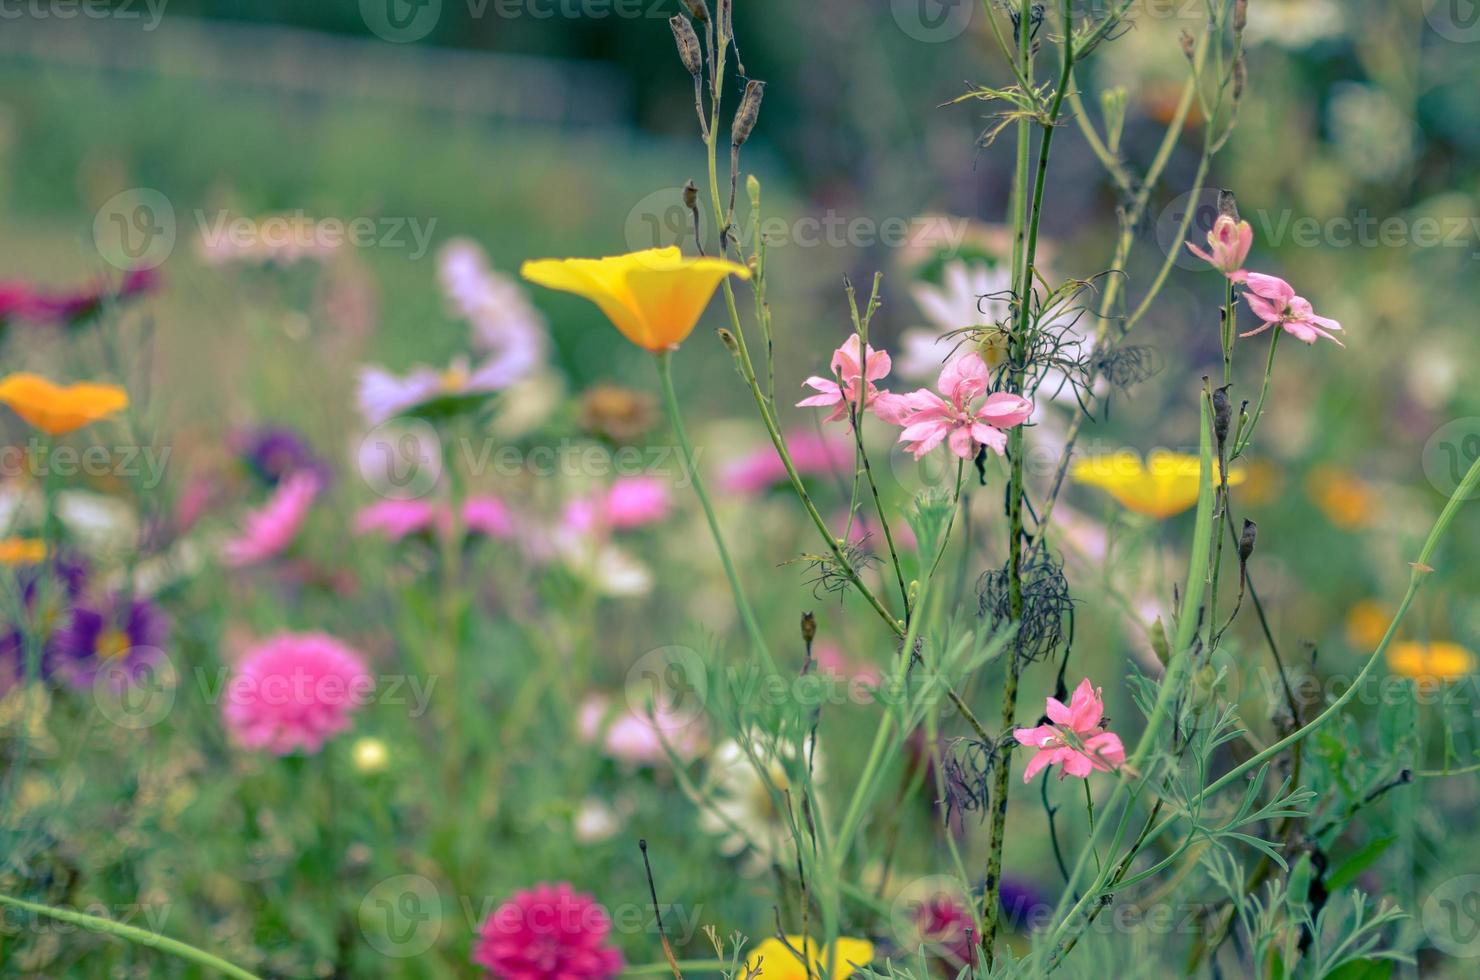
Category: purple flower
[274,451]
[123,638]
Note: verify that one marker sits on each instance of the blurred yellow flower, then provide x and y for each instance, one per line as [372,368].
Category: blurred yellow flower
[22,551]
[370,755]
[1367,623]
[1424,661]
[654,296]
[58,409]
[1164,486]
[1346,500]
[781,963]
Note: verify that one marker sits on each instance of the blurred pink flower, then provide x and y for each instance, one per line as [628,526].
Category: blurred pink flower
[1229,242]
[858,374]
[293,692]
[633,737]
[399,519]
[1074,739]
[634,501]
[832,661]
[268,531]
[929,419]
[1274,301]
[550,932]
[22,301]
[811,453]
[505,324]
[488,515]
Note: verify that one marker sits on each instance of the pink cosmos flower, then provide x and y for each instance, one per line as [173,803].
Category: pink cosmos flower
[268,531]
[812,454]
[549,932]
[858,375]
[634,501]
[1075,738]
[396,520]
[956,419]
[505,324]
[488,515]
[634,737]
[293,691]
[1228,246]
[1274,301]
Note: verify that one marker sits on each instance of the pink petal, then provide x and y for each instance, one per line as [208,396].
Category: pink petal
[1035,737]
[964,378]
[1043,758]
[962,442]
[1264,309]
[1005,410]
[877,365]
[1077,764]
[1105,751]
[1058,712]
[1086,707]
[1269,287]
[992,438]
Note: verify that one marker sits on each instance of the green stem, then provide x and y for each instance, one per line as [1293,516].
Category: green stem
[131,934]
[675,417]
[1241,442]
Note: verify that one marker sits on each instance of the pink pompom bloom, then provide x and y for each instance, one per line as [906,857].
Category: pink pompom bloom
[956,419]
[549,932]
[858,375]
[1228,246]
[1075,739]
[293,691]
[268,531]
[1274,301]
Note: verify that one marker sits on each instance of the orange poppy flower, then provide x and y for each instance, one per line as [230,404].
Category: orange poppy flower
[58,409]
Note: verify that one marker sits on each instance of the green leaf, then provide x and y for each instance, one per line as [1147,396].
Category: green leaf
[1362,970]
[1348,870]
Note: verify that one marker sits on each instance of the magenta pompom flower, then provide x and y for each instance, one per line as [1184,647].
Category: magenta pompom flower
[549,932]
[294,691]
[1075,738]
[267,532]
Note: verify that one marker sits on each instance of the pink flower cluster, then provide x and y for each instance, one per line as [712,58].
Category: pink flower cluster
[630,502]
[268,531]
[1074,737]
[396,520]
[294,691]
[963,415]
[638,738]
[548,932]
[1271,298]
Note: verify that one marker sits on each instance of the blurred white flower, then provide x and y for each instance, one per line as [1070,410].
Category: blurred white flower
[969,296]
[595,822]
[1375,136]
[1294,23]
[743,811]
[104,526]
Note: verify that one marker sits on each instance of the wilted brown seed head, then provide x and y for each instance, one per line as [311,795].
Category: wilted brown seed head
[809,628]
[1246,540]
[728,339]
[726,19]
[690,194]
[688,43]
[620,414]
[698,9]
[1189,46]
[1240,15]
[748,113]
[1222,414]
[1227,204]
[1240,77]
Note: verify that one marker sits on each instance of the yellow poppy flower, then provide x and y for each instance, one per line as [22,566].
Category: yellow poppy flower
[1164,486]
[654,297]
[1367,623]
[1346,500]
[58,409]
[1426,661]
[22,551]
[775,962]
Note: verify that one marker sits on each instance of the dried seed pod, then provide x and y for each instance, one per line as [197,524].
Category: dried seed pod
[690,194]
[688,44]
[809,629]
[1189,46]
[728,339]
[1227,204]
[726,20]
[1240,15]
[698,9]
[1240,77]
[748,113]
[1222,415]
[1246,541]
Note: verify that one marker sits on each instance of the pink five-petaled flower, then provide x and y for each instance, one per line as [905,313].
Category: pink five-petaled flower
[267,532]
[293,691]
[1228,246]
[1274,301]
[956,419]
[857,375]
[1075,738]
[549,932]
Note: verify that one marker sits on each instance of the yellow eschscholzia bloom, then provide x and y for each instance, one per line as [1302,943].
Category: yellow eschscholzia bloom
[654,297]
[781,963]
[1164,485]
[58,409]
[1425,661]
[22,551]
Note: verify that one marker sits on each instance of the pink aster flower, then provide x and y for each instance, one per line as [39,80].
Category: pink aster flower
[812,454]
[396,519]
[549,932]
[634,501]
[293,691]
[958,419]
[488,515]
[858,375]
[1274,301]
[1228,246]
[268,531]
[634,737]
[1074,738]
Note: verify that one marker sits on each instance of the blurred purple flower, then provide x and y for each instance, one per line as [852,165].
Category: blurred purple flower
[274,451]
[123,638]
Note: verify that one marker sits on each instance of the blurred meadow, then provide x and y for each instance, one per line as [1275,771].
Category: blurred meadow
[406,152]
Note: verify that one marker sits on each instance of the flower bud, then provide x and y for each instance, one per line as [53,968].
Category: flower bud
[728,339]
[748,113]
[688,43]
[753,191]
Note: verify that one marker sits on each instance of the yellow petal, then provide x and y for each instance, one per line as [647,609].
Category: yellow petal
[775,961]
[58,409]
[1423,661]
[654,297]
[22,551]
[1165,485]
[847,955]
